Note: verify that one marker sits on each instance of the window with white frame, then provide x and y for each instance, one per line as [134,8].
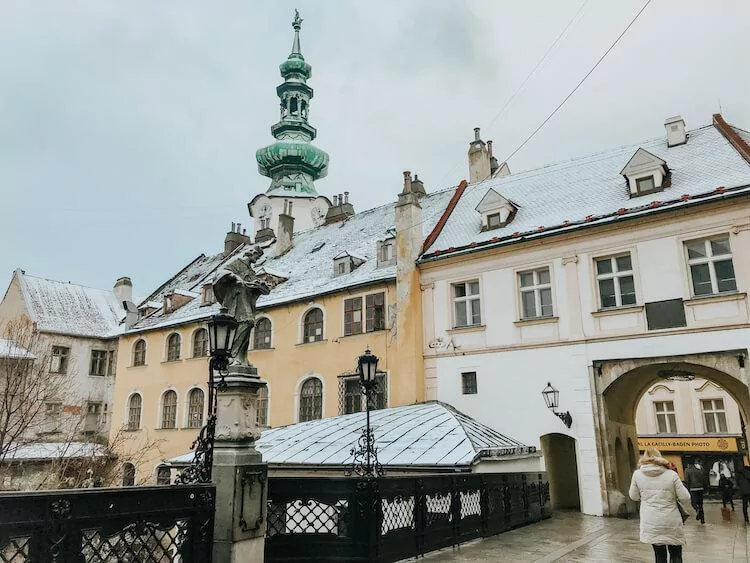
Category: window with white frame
[469,383]
[466,304]
[614,277]
[128,474]
[710,264]
[666,423]
[200,343]
[99,362]
[169,409]
[195,408]
[52,414]
[386,252]
[352,398]
[139,353]
[311,400]
[535,287]
[313,326]
[59,360]
[94,417]
[262,334]
[714,415]
[174,343]
[135,404]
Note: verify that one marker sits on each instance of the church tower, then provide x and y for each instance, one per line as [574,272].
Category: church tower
[292,162]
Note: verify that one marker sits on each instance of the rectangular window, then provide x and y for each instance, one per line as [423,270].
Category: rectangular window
[614,276]
[714,415]
[98,362]
[94,414]
[385,255]
[52,413]
[59,360]
[207,296]
[351,397]
[711,267]
[352,316]
[645,185]
[375,312]
[536,293]
[493,221]
[341,268]
[665,418]
[469,383]
[466,304]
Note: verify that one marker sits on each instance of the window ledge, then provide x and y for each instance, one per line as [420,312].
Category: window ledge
[172,361]
[192,358]
[131,429]
[470,328]
[138,366]
[617,310]
[361,333]
[165,429]
[271,349]
[312,343]
[716,298]
[537,321]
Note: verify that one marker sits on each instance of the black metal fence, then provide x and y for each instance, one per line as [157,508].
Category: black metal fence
[393,518]
[123,525]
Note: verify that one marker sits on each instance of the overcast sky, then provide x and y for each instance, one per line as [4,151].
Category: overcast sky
[128,129]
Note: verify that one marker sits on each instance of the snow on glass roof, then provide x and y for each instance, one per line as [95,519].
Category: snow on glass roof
[10,349]
[579,192]
[67,308]
[425,434]
[307,266]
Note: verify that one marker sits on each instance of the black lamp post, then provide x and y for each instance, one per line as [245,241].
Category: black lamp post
[221,331]
[365,456]
[552,399]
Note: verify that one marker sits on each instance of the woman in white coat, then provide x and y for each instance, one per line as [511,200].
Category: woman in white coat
[659,489]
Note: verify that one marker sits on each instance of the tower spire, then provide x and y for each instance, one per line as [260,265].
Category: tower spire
[292,162]
[296,25]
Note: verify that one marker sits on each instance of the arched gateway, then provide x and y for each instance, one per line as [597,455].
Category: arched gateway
[618,387]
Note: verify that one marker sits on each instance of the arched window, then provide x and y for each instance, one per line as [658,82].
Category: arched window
[200,343]
[173,347]
[195,408]
[128,474]
[262,336]
[163,475]
[134,411]
[311,400]
[139,353]
[168,409]
[261,418]
[313,325]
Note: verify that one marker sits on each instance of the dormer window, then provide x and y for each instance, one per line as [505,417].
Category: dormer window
[207,294]
[344,263]
[496,210]
[168,306]
[386,252]
[645,173]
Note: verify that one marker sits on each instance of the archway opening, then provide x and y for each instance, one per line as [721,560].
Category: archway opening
[559,452]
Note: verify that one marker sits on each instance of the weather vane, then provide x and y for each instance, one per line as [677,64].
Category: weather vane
[297,23]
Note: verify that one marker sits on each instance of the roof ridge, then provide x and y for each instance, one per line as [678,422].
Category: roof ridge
[66,283]
[438,228]
[727,131]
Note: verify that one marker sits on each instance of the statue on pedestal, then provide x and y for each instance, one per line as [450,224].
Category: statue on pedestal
[237,287]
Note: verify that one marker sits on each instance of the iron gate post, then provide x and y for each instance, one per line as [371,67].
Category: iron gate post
[240,476]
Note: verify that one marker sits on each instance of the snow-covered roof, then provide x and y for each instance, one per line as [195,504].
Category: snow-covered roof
[10,349]
[67,308]
[590,190]
[307,266]
[41,451]
[426,434]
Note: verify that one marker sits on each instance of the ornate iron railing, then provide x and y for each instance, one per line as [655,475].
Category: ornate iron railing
[123,525]
[394,518]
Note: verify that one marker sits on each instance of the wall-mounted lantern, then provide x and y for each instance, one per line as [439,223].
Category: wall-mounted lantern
[552,399]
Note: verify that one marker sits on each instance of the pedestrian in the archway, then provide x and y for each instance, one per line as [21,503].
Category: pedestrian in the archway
[743,484]
[694,482]
[663,498]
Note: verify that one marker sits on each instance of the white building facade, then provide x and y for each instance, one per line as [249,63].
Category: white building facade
[601,276]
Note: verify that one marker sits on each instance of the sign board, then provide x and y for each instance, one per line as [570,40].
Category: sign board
[700,444]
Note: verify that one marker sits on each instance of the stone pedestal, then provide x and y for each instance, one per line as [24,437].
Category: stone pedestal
[240,477]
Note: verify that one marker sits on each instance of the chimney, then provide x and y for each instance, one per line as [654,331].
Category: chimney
[417,186]
[676,134]
[123,289]
[340,210]
[479,159]
[412,191]
[285,233]
[407,182]
[234,239]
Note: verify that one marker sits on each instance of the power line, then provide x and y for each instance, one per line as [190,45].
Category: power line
[573,91]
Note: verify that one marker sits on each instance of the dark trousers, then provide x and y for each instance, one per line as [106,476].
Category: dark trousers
[745,500]
[675,553]
[726,498]
[696,499]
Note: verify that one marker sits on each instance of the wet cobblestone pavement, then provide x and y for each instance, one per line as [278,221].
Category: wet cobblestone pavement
[573,537]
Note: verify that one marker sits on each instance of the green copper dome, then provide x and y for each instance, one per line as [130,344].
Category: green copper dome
[292,163]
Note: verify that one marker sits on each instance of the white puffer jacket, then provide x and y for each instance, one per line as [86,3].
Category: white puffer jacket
[659,489]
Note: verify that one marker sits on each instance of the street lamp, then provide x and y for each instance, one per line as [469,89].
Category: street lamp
[221,331]
[552,399]
[365,455]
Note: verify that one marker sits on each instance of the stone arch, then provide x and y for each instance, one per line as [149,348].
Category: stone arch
[620,385]
[561,465]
